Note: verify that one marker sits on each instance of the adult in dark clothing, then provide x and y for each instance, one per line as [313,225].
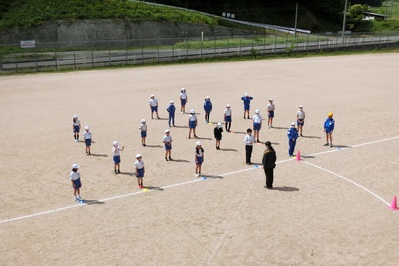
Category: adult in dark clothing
[217,132]
[269,163]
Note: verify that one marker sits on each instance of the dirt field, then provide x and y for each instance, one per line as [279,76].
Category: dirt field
[330,208]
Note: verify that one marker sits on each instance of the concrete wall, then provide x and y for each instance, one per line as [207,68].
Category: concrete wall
[98,30]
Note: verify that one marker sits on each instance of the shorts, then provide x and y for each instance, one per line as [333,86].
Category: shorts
[328,131]
[199,160]
[300,122]
[227,118]
[193,124]
[144,133]
[140,173]
[154,108]
[77,183]
[168,147]
[76,129]
[88,142]
[183,101]
[257,126]
[246,108]
[271,114]
[117,159]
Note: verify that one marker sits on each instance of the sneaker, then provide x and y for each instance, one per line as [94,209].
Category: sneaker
[116,172]
[170,159]
[76,140]
[196,175]
[158,117]
[166,159]
[119,172]
[195,136]
[301,135]
[140,186]
[270,126]
[77,199]
[331,145]
[326,144]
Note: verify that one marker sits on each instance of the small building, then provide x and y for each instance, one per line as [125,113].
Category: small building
[373,16]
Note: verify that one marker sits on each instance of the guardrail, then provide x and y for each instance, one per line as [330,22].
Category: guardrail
[59,56]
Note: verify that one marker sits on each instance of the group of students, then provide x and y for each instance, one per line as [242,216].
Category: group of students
[268,160]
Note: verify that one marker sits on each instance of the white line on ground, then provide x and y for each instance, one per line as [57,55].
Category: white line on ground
[350,181]
[196,180]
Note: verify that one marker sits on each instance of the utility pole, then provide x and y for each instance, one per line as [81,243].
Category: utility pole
[296,17]
[344,22]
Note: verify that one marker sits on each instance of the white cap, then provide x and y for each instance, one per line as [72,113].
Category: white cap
[115,143]
[75,115]
[198,143]
[75,166]
[171,102]
[183,89]
[207,97]
[246,94]
[152,95]
[192,111]
[227,105]
[220,125]
[87,128]
[138,155]
[167,130]
[301,106]
[270,99]
[143,120]
[257,111]
[293,124]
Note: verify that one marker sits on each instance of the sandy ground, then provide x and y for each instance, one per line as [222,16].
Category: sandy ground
[331,208]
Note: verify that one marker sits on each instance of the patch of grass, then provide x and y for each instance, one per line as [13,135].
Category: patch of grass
[23,13]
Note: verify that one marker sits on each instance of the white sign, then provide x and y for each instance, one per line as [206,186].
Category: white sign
[28,44]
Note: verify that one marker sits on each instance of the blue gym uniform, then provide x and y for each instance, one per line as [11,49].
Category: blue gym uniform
[247,102]
[171,110]
[329,125]
[292,137]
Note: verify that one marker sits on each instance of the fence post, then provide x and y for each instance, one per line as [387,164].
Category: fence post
[55,56]
[92,54]
[142,51]
[239,50]
[74,55]
[201,50]
[16,61]
[275,44]
[158,51]
[109,53]
[186,48]
[173,52]
[37,66]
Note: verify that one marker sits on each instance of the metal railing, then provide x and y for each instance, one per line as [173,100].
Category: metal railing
[77,55]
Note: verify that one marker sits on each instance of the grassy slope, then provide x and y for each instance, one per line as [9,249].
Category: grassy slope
[32,12]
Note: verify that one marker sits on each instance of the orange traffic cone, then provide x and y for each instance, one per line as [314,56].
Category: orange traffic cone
[298,156]
[394,206]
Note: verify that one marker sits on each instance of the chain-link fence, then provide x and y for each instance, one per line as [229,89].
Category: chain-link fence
[75,55]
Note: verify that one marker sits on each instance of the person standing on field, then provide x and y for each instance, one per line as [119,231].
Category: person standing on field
[227,117]
[270,113]
[328,129]
[183,100]
[247,104]
[300,119]
[269,163]
[292,137]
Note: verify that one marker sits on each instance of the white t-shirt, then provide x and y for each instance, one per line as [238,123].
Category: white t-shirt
[300,114]
[138,164]
[271,107]
[76,123]
[183,96]
[257,119]
[192,117]
[249,139]
[153,102]
[167,139]
[116,151]
[74,175]
[86,135]
[143,127]
[227,112]
[199,154]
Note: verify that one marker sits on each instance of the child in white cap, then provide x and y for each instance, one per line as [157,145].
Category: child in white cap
[87,136]
[183,100]
[171,110]
[270,113]
[143,131]
[300,119]
[247,103]
[76,184]
[227,117]
[199,158]
[192,123]
[257,124]
[167,140]
[217,132]
[139,165]
[76,127]
[207,108]
[153,106]
[117,156]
